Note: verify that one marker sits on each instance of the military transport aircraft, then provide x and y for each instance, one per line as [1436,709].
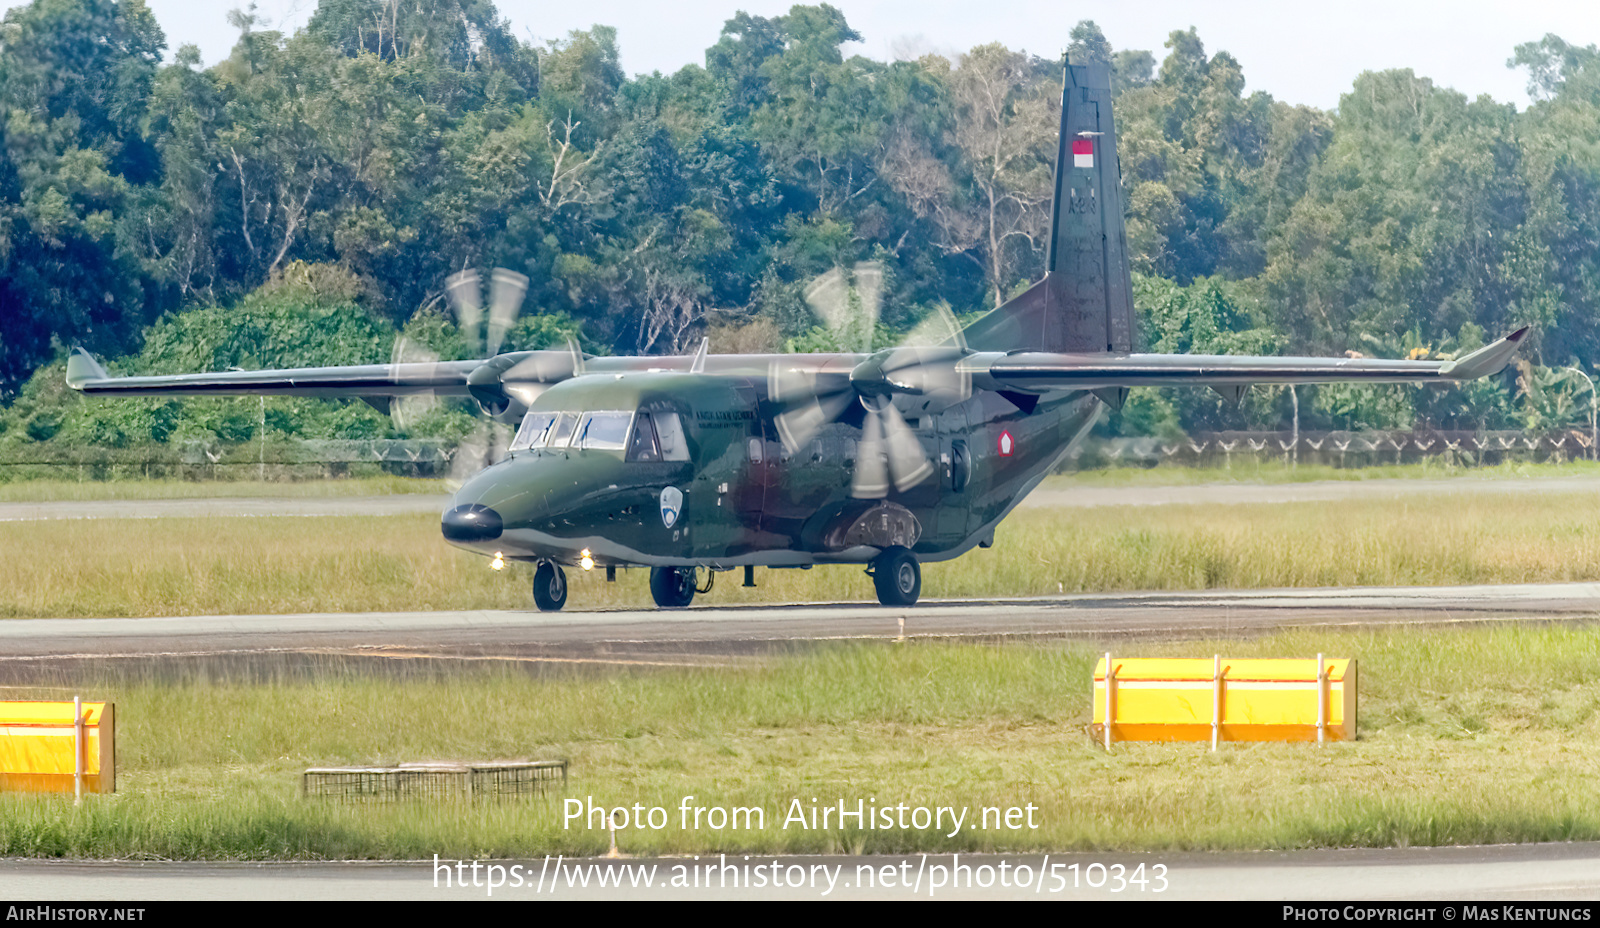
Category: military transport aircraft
[890,458]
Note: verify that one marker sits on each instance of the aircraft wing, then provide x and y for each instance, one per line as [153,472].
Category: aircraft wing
[504,384]
[1039,372]
[442,377]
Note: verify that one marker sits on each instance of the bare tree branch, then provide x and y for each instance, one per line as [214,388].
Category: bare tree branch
[569,163]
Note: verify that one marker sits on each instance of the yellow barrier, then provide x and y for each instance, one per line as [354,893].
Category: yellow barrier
[43,748]
[1193,699]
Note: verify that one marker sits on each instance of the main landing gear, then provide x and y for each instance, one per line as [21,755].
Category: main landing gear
[897,576]
[674,587]
[549,587]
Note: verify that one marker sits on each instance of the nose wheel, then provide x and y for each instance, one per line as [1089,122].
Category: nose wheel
[549,587]
[897,576]
[672,587]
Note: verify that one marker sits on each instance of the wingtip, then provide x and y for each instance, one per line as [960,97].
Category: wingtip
[1490,359]
[82,368]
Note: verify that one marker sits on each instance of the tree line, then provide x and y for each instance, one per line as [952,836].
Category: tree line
[303,200]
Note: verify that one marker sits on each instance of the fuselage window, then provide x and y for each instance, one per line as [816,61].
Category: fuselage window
[669,429]
[604,431]
[534,427]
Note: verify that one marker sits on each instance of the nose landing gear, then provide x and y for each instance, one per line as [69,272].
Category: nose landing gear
[897,577]
[549,587]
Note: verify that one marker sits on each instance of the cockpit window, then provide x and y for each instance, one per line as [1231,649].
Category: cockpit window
[561,430]
[657,436]
[604,431]
[535,425]
[644,446]
[669,431]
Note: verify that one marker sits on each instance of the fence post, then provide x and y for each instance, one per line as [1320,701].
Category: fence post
[1216,699]
[1294,447]
[1110,705]
[1322,701]
[77,750]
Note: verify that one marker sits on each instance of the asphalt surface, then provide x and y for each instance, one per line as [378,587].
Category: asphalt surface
[715,633]
[1045,497]
[1535,875]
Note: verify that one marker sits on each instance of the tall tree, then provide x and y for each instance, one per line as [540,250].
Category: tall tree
[74,77]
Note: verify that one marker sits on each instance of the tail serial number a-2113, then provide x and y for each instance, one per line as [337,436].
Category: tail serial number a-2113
[887,458]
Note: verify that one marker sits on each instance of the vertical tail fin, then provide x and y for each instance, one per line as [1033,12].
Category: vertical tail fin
[1084,304]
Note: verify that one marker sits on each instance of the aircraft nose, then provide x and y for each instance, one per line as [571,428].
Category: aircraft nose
[474,522]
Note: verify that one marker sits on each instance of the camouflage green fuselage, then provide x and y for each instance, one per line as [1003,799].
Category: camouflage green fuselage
[744,498]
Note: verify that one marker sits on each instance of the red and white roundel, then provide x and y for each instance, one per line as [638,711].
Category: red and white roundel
[1006,444]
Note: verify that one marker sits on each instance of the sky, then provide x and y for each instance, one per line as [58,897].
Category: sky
[1299,52]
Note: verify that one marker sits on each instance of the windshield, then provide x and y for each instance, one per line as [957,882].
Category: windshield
[561,430]
[604,431]
[544,430]
[535,425]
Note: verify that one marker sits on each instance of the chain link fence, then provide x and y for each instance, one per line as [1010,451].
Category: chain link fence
[273,460]
[1337,449]
[334,458]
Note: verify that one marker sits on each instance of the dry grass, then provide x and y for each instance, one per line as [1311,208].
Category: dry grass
[1480,736]
[140,567]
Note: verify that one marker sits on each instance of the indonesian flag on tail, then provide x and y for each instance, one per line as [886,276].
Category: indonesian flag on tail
[1082,153]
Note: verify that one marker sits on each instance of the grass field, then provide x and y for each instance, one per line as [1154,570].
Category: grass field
[1476,736]
[138,567]
[1244,471]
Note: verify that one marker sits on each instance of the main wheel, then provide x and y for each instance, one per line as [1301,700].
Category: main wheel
[672,587]
[897,577]
[549,587]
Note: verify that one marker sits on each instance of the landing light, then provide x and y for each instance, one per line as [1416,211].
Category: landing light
[499,562]
[585,559]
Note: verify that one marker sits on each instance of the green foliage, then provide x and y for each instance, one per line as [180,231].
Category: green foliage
[309,315]
[1210,316]
[302,200]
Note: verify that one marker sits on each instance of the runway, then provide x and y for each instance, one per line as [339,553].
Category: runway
[1052,495]
[715,633]
[1533,875]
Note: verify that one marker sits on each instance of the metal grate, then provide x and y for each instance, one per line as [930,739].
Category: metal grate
[435,781]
